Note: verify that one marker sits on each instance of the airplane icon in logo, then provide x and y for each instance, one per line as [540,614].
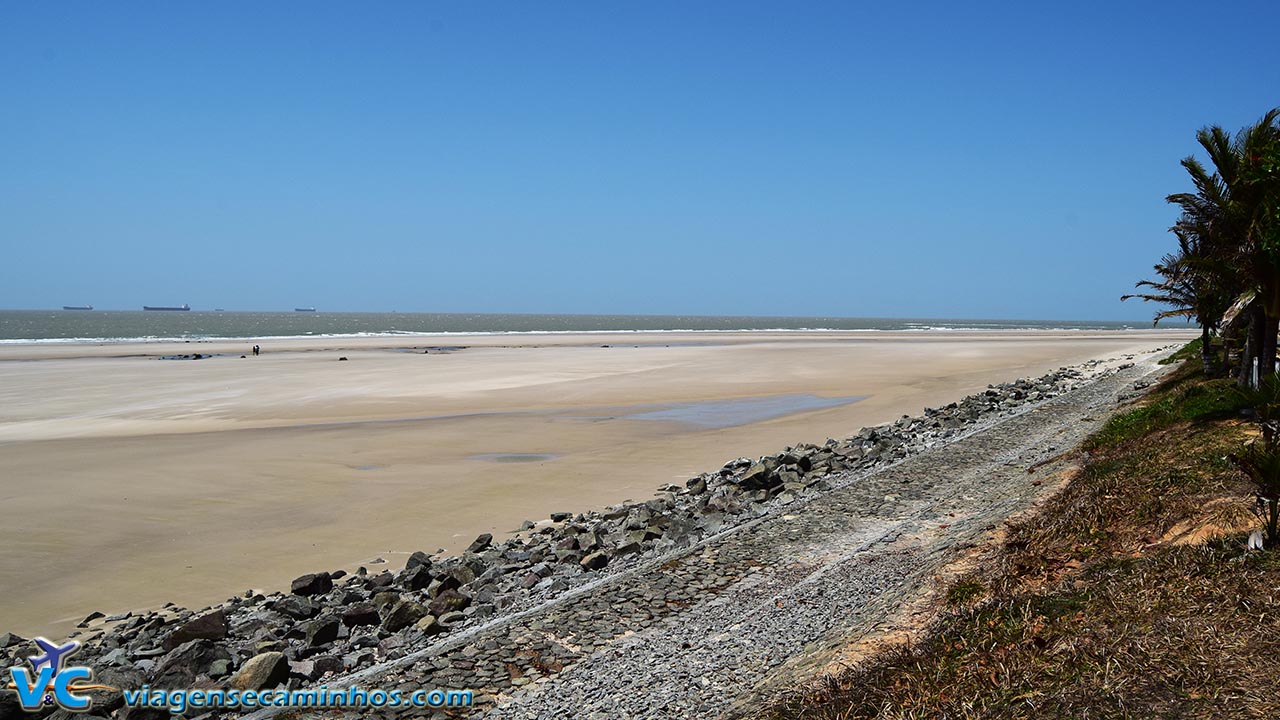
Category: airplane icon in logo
[54,655]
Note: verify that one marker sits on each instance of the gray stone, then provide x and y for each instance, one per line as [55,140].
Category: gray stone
[322,631]
[263,671]
[481,542]
[417,559]
[362,614]
[212,626]
[181,666]
[595,561]
[448,601]
[296,607]
[403,614]
[314,584]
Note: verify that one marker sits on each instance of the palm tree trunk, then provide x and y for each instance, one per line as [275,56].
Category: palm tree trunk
[1267,355]
[1206,352]
[1252,341]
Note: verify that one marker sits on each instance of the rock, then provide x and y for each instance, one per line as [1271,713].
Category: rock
[417,559]
[362,614]
[212,626]
[263,671]
[314,584]
[8,640]
[448,601]
[296,607]
[107,701]
[403,614]
[450,620]
[322,631]
[10,708]
[756,477]
[418,578]
[326,664]
[382,580]
[595,561]
[560,516]
[180,667]
[481,542]
[428,625]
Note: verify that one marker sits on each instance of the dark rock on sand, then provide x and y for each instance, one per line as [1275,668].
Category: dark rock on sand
[212,626]
[313,584]
[481,542]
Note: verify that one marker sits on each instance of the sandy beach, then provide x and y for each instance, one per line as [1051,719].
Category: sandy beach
[129,480]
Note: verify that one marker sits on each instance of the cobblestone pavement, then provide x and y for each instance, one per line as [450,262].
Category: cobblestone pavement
[691,636]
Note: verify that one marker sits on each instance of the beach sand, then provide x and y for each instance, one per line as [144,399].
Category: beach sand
[127,480]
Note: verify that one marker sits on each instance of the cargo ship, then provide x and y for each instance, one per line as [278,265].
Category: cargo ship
[164,307]
[304,309]
[77,307]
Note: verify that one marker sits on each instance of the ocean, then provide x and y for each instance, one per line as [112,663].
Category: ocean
[92,326]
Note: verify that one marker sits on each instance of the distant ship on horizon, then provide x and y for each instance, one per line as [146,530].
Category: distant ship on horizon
[309,309]
[77,307]
[182,308]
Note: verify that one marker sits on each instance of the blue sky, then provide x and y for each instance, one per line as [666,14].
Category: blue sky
[929,159]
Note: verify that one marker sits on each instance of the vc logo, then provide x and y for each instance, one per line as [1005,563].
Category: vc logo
[50,682]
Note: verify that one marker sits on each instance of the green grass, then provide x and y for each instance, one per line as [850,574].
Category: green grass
[1186,352]
[1186,396]
[964,592]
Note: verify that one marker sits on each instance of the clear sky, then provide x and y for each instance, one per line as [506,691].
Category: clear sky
[949,159]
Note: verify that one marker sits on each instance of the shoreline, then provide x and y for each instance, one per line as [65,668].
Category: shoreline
[54,348]
[212,463]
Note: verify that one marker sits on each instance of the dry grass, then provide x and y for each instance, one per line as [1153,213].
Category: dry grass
[1129,595]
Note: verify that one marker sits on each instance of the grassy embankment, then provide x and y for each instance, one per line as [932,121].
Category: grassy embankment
[1129,595]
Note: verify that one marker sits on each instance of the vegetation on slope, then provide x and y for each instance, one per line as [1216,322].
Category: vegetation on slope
[1131,594]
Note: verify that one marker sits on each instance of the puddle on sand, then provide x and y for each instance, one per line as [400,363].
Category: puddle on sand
[741,411]
[515,457]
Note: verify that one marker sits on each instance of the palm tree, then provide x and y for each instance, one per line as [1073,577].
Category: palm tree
[1231,220]
[1191,291]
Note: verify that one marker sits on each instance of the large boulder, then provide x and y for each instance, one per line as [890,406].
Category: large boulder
[262,671]
[448,601]
[403,614]
[313,584]
[211,626]
[181,666]
[481,542]
[595,561]
[297,607]
[362,614]
[417,578]
[322,631]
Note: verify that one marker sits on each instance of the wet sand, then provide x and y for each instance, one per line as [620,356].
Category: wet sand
[127,480]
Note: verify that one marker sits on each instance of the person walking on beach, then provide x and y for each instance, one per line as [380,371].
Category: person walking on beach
[256,350]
